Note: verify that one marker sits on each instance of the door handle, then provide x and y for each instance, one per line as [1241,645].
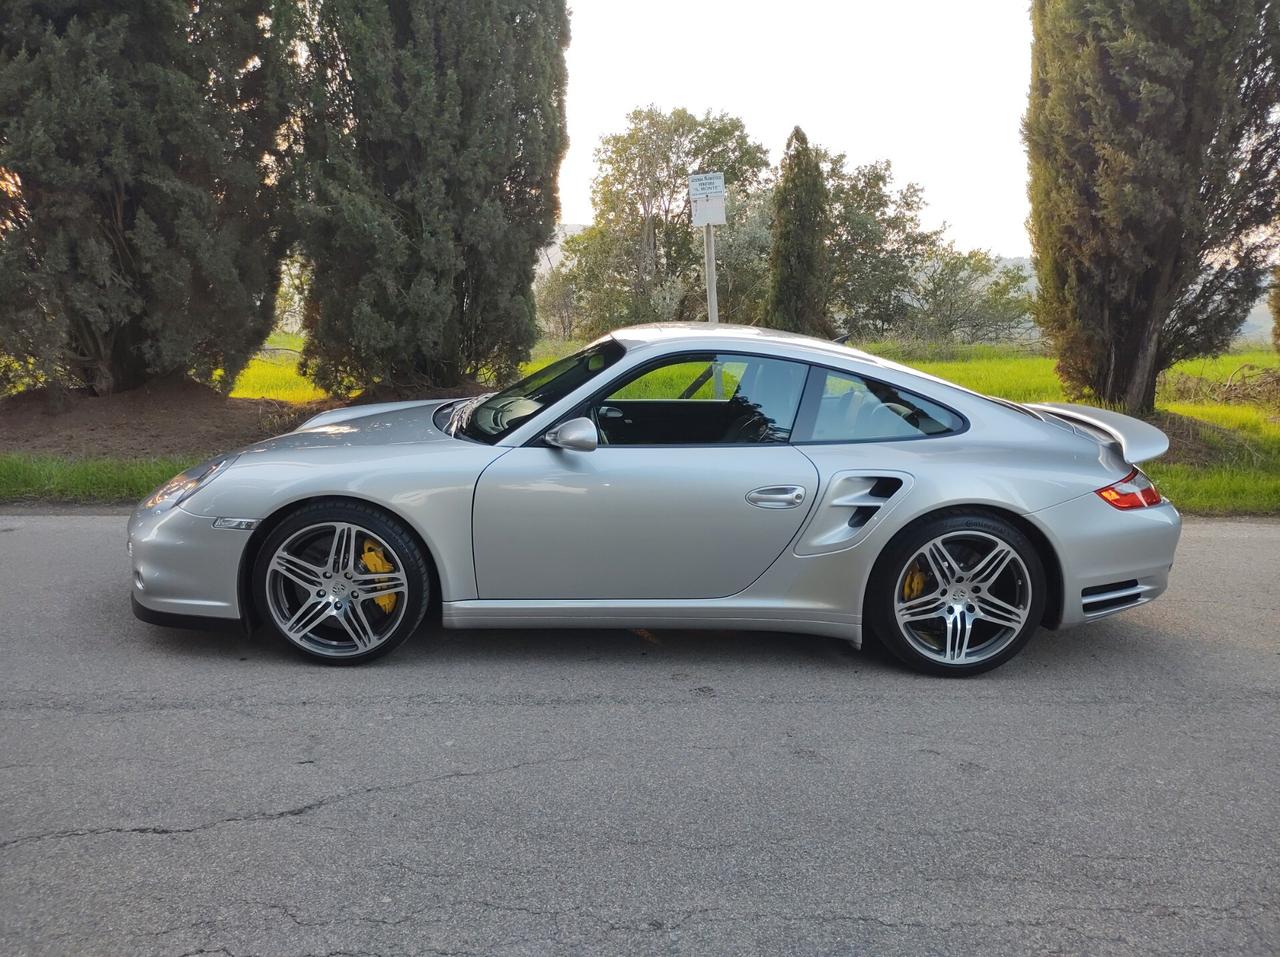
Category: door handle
[776,496]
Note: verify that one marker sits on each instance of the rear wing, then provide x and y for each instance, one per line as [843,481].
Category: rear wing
[1138,440]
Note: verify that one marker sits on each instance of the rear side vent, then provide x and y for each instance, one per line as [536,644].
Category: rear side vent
[862,514]
[884,488]
[852,505]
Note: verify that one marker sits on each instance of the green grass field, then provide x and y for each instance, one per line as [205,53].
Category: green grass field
[274,373]
[1235,468]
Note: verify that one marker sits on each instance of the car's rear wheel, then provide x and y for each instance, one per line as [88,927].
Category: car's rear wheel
[958,594]
[341,582]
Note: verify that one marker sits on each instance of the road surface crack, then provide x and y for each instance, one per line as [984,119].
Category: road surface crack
[291,812]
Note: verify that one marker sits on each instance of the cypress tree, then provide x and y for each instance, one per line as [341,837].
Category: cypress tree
[799,277]
[142,144]
[433,138]
[1155,171]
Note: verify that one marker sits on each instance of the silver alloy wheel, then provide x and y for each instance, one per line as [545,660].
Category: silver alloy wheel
[963,597]
[325,597]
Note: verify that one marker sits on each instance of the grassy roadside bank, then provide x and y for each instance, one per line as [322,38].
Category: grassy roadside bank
[1225,456]
[27,478]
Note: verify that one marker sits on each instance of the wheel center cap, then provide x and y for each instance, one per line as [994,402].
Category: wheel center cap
[338,588]
[961,593]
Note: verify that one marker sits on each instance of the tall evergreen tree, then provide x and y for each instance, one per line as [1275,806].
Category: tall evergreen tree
[143,141]
[434,134]
[1154,155]
[799,271]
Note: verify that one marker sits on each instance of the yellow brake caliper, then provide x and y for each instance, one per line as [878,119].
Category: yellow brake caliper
[913,583]
[376,562]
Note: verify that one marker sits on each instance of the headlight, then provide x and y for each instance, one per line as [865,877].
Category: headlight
[184,484]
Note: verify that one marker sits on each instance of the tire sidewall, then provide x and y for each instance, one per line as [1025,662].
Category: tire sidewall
[882,587]
[390,530]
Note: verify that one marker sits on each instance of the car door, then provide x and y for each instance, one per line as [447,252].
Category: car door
[692,493]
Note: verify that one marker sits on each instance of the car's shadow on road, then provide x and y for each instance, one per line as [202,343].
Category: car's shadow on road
[1102,647]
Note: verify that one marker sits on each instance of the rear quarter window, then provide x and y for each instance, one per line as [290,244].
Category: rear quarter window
[844,407]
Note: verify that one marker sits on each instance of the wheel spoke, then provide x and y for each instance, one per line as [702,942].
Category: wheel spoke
[383,584]
[307,617]
[353,619]
[945,568]
[295,569]
[342,551]
[999,611]
[922,609]
[991,567]
[959,629]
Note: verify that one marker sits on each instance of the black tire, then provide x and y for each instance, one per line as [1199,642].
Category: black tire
[881,601]
[404,547]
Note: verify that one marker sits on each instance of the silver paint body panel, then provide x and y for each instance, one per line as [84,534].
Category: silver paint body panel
[522,534]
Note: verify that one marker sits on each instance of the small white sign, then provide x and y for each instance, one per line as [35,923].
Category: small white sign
[708,210]
[706,184]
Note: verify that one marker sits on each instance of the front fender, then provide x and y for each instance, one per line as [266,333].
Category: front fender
[432,492]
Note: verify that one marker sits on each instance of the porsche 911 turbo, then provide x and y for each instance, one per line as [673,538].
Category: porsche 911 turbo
[674,476]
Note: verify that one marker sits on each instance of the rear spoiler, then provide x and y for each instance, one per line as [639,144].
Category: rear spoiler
[1138,440]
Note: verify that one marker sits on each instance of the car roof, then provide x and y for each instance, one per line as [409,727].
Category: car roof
[655,333]
[704,335]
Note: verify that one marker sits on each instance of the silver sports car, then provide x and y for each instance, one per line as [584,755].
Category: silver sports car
[674,476]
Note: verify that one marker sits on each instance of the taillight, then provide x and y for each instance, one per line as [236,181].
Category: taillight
[1135,490]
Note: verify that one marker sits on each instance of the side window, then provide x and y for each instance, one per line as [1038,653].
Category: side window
[704,400]
[853,409]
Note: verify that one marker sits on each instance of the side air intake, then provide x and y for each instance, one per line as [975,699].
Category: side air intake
[852,504]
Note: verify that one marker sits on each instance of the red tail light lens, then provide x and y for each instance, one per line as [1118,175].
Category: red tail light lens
[1135,490]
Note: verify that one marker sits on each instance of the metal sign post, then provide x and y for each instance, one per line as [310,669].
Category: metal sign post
[706,194]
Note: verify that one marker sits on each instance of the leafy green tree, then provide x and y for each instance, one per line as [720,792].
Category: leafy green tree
[1155,169]
[145,209]
[641,259]
[799,271]
[878,247]
[742,256]
[967,297]
[434,133]
[557,302]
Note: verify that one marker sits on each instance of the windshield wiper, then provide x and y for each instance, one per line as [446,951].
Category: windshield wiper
[460,417]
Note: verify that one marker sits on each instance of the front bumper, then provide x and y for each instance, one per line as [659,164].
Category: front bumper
[182,566]
[1112,560]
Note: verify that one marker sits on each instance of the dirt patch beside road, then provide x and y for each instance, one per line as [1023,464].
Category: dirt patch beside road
[172,417]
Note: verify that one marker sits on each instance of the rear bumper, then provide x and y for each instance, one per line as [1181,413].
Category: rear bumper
[1112,560]
[182,568]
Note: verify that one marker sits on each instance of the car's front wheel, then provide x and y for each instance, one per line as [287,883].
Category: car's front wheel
[342,582]
[958,594]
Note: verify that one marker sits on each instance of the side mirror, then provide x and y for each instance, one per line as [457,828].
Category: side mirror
[577,435]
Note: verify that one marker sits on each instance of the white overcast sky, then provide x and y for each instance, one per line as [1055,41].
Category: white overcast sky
[937,86]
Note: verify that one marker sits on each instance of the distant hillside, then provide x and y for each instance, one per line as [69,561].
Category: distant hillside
[1257,326]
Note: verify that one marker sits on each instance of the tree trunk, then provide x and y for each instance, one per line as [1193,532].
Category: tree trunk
[1140,393]
[118,365]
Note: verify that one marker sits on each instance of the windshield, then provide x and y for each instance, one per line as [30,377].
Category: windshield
[488,418]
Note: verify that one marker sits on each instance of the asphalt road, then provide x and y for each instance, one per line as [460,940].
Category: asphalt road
[1114,790]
